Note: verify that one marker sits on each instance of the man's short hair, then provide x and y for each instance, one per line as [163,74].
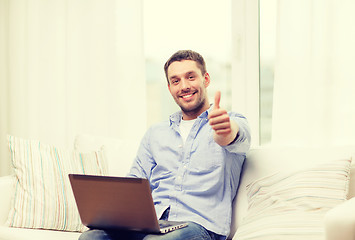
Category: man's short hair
[186,55]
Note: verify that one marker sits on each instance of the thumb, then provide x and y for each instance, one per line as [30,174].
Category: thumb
[217,99]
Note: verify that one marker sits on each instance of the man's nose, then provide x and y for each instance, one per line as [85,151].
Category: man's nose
[185,84]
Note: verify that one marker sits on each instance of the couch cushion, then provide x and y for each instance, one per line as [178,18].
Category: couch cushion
[266,160]
[119,153]
[43,196]
[10,233]
[7,191]
[292,205]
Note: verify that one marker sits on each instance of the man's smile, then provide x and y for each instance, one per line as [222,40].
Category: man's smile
[188,96]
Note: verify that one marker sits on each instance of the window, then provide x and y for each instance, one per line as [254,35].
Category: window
[267,34]
[226,33]
[200,25]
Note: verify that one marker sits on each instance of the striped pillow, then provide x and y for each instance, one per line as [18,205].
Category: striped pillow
[292,206]
[43,195]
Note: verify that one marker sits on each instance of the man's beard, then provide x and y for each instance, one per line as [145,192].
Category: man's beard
[193,109]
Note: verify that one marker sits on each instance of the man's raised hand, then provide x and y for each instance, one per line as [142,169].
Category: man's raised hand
[225,129]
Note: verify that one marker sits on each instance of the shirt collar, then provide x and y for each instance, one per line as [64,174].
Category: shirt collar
[175,118]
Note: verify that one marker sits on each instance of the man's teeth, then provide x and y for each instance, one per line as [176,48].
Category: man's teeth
[187,96]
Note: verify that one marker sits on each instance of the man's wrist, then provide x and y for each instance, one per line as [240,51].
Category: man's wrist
[235,139]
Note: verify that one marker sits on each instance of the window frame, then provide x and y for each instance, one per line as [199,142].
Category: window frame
[246,63]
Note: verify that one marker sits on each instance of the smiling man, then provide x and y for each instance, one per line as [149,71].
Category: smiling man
[187,84]
[193,161]
[188,81]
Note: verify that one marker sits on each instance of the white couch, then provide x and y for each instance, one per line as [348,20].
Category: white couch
[260,162]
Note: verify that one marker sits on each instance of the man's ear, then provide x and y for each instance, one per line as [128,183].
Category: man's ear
[207,80]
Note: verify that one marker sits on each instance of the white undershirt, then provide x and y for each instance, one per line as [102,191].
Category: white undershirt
[185,128]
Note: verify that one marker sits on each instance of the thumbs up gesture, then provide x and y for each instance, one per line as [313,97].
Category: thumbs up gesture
[225,129]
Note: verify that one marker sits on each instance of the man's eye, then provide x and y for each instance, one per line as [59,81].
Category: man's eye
[174,81]
[191,77]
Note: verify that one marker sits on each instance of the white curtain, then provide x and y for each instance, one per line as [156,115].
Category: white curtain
[314,91]
[70,67]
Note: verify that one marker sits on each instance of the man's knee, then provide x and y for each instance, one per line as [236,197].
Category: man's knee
[192,232]
[94,235]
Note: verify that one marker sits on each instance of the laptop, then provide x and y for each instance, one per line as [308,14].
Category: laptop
[106,202]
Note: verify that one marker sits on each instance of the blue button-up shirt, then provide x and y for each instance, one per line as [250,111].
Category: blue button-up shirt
[198,180]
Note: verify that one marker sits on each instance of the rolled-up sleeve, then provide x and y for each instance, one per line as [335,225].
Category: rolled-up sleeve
[242,144]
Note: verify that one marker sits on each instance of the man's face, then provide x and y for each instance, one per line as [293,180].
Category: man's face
[187,85]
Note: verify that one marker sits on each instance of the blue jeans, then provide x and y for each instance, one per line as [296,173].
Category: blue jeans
[192,232]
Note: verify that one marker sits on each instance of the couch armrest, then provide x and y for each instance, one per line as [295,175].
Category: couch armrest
[340,221]
[6,190]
